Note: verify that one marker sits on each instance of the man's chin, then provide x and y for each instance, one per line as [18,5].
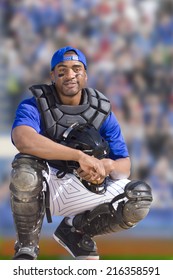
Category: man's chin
[71,92]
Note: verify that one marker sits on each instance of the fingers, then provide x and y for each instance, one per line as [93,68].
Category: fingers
[91,166]
[89,176]
[99,169]
[84,175]
[94,175]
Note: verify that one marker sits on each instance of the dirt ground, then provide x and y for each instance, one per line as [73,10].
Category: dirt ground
[118,247]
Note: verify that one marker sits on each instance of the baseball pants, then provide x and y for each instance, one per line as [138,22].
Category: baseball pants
[68,196]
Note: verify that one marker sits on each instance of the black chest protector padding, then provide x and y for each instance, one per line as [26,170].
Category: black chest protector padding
[57,117]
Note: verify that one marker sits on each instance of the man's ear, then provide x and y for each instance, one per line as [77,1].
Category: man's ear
[86,77]
[52,76]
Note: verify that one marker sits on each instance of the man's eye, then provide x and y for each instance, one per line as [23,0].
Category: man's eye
[77,69]
[61,70]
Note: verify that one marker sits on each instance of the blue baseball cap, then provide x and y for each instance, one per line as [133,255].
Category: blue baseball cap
[59,56]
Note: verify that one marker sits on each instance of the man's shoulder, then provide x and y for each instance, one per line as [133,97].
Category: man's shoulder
[27,105]
[38,90]
[28,101]
[96,92]
[40,85]
[33,88]
[110,121]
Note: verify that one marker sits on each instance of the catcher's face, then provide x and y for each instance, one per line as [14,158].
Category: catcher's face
[70,78]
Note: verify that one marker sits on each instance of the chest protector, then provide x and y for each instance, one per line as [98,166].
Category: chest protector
[56,117]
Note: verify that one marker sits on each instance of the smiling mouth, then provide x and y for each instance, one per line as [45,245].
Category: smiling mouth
[70,84]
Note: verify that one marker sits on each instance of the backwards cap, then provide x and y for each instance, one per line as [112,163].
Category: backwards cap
[59,56]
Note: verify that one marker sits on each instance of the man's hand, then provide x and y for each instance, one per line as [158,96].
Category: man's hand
[108,166]
[91,168]
[87,177]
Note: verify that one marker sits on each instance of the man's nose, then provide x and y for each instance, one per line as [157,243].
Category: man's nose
[70,74]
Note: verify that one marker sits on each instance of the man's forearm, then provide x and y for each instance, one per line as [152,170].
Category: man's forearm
[27,141]
[117,169]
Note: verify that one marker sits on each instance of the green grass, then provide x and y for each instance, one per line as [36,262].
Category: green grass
[110,257]
[117,257]
[151,257]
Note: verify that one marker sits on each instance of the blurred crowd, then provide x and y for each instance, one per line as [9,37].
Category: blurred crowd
[129,47]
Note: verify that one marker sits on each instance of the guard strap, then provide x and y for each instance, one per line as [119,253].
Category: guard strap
[118,197]
[47,202]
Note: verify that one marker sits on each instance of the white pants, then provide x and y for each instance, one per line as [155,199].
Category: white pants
[68,196]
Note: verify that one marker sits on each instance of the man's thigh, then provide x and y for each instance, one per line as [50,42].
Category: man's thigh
[68,196]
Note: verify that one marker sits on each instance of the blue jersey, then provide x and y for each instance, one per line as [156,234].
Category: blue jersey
[28,114]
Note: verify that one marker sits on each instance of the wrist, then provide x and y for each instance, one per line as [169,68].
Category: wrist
[109,165]
[78,155]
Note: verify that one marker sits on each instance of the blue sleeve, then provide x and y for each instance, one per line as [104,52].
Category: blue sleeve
[28,114]
[111,132]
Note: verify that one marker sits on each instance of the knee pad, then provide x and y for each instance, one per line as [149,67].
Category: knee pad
[139,201]
[26,176]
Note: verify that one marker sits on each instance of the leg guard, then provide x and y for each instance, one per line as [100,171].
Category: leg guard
[27,202]
[105,219]
[139,202]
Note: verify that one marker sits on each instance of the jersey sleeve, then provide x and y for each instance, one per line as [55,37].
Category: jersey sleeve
[111,132]
[27,114]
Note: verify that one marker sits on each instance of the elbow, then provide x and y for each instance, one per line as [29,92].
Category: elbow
[22,150]
[128,173]
[21,146]
[23,139]
[123,171]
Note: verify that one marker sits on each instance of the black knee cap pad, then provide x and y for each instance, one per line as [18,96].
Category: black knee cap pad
[26,176]
[139,201]
[138,189]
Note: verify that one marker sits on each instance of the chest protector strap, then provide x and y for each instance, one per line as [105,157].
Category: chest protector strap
[56,117]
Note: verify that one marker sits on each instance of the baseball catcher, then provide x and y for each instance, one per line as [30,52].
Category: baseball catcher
[72,162]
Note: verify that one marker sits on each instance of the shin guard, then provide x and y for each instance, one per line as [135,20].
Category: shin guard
[27,202]
[106,219]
